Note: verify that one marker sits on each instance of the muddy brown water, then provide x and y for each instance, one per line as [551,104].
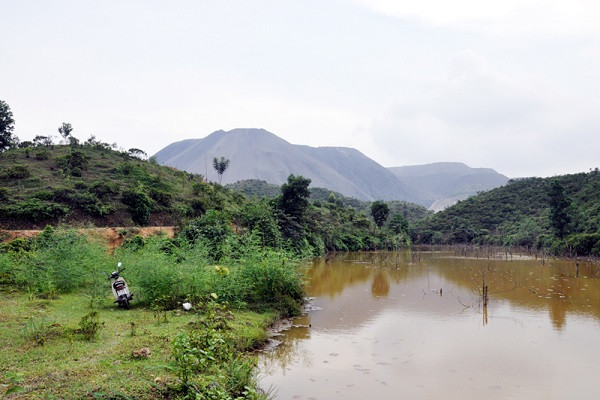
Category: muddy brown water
[391,327]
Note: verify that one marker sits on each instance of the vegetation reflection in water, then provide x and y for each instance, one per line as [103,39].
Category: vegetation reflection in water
[394,323]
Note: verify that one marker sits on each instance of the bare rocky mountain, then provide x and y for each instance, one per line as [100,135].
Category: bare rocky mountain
[440,185]
[259,154]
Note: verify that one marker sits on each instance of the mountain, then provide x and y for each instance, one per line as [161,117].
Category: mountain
[442,184]
[259,154]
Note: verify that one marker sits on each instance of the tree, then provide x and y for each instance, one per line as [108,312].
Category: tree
[137,153]
[380,212]
[398,223]
[293,204]
[65,131]
[220,165]
[559,206]
[40,140]
[7,125]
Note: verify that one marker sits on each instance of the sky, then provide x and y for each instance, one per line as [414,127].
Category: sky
[511,85]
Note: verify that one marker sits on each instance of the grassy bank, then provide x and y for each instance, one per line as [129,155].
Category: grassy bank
[62,337]
[42,354]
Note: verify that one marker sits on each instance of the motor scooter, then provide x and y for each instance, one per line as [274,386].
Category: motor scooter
[119,288]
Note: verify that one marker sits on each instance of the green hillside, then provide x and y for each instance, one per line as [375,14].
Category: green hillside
[94,184]
[524,212]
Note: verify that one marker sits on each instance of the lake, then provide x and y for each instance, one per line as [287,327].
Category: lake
[414,326]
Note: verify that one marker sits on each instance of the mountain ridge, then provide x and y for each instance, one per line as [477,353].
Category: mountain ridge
[259,154]
[256,153]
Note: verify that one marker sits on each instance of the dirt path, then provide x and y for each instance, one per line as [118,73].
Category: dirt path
[112,237]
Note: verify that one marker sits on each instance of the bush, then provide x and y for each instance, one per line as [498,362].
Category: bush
[584,244]
[83,200]
[41,155]
[213,228]
[140,206]
[16,172]
[205,360]
[103,190]
[59,263]
[161,197]
[34,210]
[74,162]
[90,325]
[43,195]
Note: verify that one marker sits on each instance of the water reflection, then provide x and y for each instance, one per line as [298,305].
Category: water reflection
[392,322]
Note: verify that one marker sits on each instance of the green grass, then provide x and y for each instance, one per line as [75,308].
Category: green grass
[66,366]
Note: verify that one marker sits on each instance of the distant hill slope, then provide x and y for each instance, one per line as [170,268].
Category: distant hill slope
[517,213]
[259,188]
[442,184]
[258,154]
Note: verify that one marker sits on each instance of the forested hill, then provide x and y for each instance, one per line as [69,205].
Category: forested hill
[525,212]
[259,188]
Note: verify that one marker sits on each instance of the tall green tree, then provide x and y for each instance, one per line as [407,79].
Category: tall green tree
[559,209]
[380,212]
[293,204]
[220,165]
[7,125]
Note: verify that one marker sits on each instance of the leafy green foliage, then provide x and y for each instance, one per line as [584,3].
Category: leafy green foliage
[260,218]
[380,212]
[140,206]
[398,224]
[205,360]
[74,163]
[292,205]
[552,213]
[220,165]
[16,172]
[559,205]
[90,325]
[34,209]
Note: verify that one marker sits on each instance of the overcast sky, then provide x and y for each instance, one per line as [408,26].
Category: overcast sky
[513,84]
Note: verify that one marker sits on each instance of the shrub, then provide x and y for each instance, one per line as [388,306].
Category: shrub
[213,227]
[35,210]
[59,262]
[89,325]
[103,190]
[161,197]
[205,361]
[74,162]
[140,206]
[41,154]
[43,195]
[584,244]
[16,172]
